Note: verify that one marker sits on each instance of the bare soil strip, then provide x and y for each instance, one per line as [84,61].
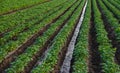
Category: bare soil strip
[94,55]
[11,56]
[111,36]
[67,61]
[23,8]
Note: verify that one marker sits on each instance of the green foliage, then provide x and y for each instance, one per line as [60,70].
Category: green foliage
[105,48]
[24,36]
[112,21]
[58,43]
[11,5]
[21,17]
[116,4]
[26,57]
[113,9]
[81,48]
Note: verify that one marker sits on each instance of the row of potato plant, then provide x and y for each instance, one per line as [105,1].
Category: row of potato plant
[11,5]
[10,21]
[20,29]
[80,54]
[113,9]
[112,21]
[117,1]
[26,57]
[115,4]
[58,43]
[104,47]
[23,37]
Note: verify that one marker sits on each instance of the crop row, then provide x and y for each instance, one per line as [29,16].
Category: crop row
[115,4]
[9,22]
[80,54]
[113,28]
[25,36]
[8,6]
[47,28]
[17,65]
[117,1]
[112,21]
[104,47]
[59,44]
[113,9]
[8,36]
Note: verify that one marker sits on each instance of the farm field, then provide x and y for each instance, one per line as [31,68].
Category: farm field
[60,36]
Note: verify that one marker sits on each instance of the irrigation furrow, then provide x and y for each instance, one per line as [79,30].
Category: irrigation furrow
[20,9]
[26,28]
[94,55]
[21,17]
[64,49]
[2,34]
[115,4]
[113,10]
[68,57]
[11,57]
[34,57]
[111,36]
[46,48]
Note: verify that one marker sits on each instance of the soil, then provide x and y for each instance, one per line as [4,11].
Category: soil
[94,55]
[6,62]
[111,36]
[11,57]
[68,61]
[27,20]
